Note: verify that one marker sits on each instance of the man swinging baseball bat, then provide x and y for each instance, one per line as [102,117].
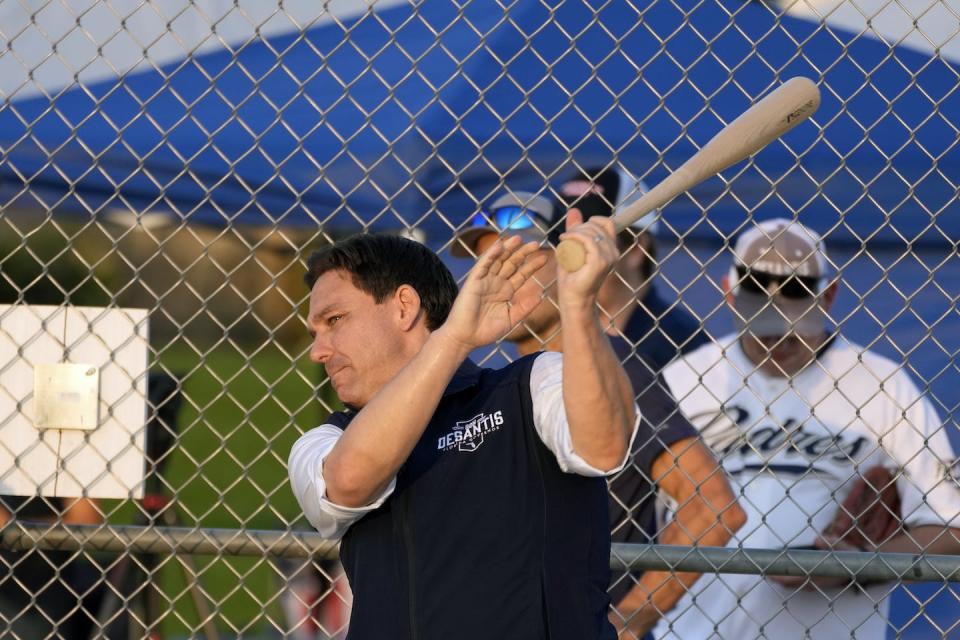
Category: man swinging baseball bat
[470,502]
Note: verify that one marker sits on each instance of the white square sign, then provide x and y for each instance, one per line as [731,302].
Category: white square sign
[73,389]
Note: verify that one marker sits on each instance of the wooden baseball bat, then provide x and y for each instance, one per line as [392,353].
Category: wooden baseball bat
[780,111]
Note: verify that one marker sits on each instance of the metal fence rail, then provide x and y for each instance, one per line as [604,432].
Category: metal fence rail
[287,544]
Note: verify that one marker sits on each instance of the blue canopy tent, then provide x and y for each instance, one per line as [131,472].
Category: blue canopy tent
[416,115]
[395,116]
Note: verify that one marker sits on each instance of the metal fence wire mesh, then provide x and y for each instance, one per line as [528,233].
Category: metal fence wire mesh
[167,166]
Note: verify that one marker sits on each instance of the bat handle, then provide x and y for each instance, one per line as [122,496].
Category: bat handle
[571,255]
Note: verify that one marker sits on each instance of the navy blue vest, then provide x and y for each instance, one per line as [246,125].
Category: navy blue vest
[484,536]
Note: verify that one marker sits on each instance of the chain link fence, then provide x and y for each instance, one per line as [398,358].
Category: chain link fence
[167,166]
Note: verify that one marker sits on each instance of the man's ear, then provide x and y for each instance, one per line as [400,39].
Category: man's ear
[408,307]
[830,295]
[725,286]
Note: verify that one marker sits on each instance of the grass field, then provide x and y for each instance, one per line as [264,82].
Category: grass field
[241,414]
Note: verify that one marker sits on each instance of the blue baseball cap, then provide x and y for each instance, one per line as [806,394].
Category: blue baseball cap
[516,213]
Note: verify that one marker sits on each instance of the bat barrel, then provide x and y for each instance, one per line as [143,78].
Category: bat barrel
[780,111]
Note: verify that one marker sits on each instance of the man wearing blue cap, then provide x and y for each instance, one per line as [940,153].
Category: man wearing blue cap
[630,302]
[646,333]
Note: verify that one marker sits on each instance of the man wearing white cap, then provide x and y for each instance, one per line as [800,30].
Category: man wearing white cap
[797,413]
[667,454]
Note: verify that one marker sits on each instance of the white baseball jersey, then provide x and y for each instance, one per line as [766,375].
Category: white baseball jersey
[791,448]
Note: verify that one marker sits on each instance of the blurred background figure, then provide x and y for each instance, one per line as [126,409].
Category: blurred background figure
[796,412]
[656,323]
[632,306]
[316,600]
[43,593]
[667,455]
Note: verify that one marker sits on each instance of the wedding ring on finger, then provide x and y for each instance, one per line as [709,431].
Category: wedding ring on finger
[598,238]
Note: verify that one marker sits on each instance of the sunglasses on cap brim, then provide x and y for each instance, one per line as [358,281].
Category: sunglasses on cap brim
[794,286]
[511,218]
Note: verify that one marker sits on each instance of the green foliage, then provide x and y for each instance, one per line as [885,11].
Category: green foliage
[45,266]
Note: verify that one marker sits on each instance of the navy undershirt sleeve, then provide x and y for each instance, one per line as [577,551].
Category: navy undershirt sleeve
[662,424]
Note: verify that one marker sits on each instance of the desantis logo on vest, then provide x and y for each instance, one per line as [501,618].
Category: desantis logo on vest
[467,435]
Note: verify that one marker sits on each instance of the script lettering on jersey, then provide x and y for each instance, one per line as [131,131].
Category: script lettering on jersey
[467,435]
[951,471]
[731,431]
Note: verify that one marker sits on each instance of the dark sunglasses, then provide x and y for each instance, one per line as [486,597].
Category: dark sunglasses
[794,287]
[513,218]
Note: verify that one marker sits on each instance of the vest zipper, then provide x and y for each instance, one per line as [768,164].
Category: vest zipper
[407,529]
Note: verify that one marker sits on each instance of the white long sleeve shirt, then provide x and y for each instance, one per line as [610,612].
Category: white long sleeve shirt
[305,465]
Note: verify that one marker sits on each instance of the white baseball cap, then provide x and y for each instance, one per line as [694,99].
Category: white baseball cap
[780,271]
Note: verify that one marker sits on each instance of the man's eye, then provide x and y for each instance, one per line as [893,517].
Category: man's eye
[332,320]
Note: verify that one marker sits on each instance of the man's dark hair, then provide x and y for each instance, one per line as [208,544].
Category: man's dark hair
[379,264]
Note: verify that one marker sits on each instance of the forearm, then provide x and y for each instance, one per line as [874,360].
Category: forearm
[707,514]
[706,511]
[657,592]
[930,539]
[385,431]
[597,395]
[924,539]
[638,612]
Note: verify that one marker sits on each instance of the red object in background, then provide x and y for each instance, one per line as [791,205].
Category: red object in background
[315,607]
